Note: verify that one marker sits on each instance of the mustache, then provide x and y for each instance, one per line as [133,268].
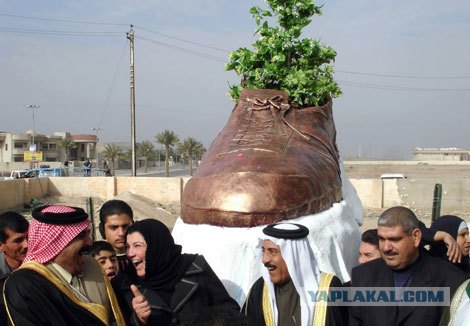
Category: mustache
[267,265]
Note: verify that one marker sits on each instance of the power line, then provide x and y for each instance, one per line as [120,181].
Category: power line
[177,110]
[71,33]
[108,97]
[200,54]
[62,20]
[401,76]
[114,24]
[402,88]
[183,40]
[56,32]
[214,58]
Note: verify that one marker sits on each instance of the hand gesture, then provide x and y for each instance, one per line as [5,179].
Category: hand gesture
[140,305]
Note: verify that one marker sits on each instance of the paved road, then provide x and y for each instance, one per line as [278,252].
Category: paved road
[173,173]
[177,171]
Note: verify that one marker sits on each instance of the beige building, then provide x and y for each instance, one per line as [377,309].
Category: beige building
[441,154]
[86,147]
[13,146]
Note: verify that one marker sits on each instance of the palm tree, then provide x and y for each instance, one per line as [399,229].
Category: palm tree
[167,138]
[127,155]
[146,150]
[112,152]
[191,147]
[67,144]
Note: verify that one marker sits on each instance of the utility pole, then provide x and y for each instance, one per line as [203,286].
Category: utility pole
[97,130]
[130,36]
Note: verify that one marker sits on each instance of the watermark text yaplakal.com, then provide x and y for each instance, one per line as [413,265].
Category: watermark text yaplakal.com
[382,296]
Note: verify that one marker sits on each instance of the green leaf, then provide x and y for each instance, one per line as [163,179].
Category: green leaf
[280,59]
[254,10]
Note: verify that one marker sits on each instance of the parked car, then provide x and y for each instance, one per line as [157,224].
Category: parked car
[22,174]
[34,173]
[51,172]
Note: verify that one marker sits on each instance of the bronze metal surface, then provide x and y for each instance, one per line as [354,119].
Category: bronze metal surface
[271,162]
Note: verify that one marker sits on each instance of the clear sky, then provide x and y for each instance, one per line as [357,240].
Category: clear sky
[72,59]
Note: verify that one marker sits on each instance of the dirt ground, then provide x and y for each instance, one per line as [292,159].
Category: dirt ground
[424,170]
[415,171]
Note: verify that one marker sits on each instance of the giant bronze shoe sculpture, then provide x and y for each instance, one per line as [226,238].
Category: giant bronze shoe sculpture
[271,162]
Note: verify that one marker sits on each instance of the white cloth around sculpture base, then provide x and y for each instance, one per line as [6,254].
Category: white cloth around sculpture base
[231,252]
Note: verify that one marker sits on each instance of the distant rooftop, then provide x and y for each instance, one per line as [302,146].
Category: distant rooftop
[441,149]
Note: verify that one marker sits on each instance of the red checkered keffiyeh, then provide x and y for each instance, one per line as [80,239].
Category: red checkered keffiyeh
[46,241]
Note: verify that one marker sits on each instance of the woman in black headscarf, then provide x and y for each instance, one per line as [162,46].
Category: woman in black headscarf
[168,288]
[458,229]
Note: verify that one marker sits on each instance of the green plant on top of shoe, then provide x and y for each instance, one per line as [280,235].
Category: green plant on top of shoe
[280,60]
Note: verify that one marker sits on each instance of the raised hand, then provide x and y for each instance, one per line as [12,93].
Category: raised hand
[140,305]
[453,250]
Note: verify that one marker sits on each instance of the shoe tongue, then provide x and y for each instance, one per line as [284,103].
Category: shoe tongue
[260,125]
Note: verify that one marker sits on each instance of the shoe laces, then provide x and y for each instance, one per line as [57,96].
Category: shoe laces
[274,104]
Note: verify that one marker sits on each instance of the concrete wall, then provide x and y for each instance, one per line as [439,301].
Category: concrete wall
[390,193]
[11,194]
[35,188]
[82,187]
[14,193]
[374,193]
[162,190]
[414,193]
[419,193]
[369,191]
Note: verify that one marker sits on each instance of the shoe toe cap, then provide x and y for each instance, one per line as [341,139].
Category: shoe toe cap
[249,199]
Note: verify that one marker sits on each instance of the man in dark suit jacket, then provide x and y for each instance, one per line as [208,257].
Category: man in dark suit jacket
[403,264]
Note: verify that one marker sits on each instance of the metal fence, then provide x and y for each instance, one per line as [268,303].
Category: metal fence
[82,172]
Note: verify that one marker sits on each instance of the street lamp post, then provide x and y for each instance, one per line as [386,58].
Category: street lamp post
[97,130]
[33,107]
[32,147]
